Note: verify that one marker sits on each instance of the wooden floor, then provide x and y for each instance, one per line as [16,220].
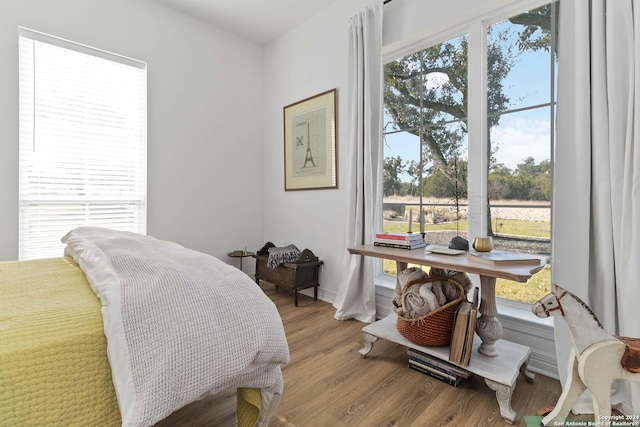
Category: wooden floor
[327,383]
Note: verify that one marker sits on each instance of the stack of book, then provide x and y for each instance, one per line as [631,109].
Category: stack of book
[438,369]
[400,240]
[464,327]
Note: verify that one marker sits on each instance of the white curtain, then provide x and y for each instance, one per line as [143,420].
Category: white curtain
[596,223]
[356,296]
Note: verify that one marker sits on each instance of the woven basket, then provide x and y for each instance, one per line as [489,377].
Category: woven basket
[434,328]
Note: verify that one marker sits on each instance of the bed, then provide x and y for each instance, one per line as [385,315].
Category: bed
[126,329]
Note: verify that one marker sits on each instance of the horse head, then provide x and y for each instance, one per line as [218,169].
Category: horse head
[550,304]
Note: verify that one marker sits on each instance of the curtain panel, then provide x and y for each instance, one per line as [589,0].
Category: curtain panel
[356,295]
[596,219]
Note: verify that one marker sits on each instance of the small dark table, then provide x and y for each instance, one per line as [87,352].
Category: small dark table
[241,256]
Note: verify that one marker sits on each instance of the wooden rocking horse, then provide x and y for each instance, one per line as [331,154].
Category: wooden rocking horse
[597,358]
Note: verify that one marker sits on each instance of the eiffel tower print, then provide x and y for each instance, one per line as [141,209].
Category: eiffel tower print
[309,156]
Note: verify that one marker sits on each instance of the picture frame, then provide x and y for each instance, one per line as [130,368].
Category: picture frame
[310,146]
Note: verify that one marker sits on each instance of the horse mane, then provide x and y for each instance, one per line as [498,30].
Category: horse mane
[586,307]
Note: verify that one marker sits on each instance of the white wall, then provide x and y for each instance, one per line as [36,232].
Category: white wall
[205,96]
[307,61]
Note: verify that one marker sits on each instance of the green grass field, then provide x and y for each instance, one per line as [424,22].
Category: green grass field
[522,228]
[400,226]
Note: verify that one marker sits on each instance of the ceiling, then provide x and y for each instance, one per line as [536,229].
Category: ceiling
[260,21]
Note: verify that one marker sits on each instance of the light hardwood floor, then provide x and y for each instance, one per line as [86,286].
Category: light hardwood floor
[327,383]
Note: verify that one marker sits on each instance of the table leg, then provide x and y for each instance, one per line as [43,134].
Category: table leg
[526,373]
[488,327]
[400,266]
[368,343]
[503,395]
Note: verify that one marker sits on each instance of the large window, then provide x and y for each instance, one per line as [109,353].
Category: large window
[82,142]
[469,138]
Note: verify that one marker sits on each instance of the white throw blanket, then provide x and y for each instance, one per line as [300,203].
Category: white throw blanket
[179,324]
[422,298]
[278,256]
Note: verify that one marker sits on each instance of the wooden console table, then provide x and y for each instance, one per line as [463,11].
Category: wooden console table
[500,372]
[498,363]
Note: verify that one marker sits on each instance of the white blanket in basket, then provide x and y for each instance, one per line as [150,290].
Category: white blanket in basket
[179,324]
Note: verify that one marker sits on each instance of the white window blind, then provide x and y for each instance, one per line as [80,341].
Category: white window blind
[82,142]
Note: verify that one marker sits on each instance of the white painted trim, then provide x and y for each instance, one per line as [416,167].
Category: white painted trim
[454,29]
[543,363]
[477,142]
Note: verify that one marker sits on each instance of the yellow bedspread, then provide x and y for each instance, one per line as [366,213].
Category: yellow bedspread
[54,369]
[53,365]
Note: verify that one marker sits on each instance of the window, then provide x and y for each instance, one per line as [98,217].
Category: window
[82,142]
[469,138]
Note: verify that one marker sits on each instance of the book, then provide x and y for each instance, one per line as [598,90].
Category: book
[400,236]
[467,348]
[434,369]
[399,242]
[430,360]
[475,296]
[444,249]
[458,336]
[400,245]
[437,363]
[435,374]
[496,257]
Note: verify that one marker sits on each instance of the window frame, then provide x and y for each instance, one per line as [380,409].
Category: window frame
[477,114]
[127,201]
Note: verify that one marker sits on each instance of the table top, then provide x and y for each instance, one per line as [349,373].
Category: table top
[245,254]
[518,273]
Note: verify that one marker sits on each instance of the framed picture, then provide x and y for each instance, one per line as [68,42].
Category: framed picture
[310,143]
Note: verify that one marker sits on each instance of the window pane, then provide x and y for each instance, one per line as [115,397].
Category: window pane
[401,155]
[403,94]
[520,97]
[517,140]
[426,96]
[425,169]
[82,142]
[519,55]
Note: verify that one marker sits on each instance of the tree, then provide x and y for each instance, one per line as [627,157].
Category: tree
[414,171]
[499,182]
[392,168]
[531,181]
[430,87]
[437,185]
[536,27]
[527,182]
[425,93]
